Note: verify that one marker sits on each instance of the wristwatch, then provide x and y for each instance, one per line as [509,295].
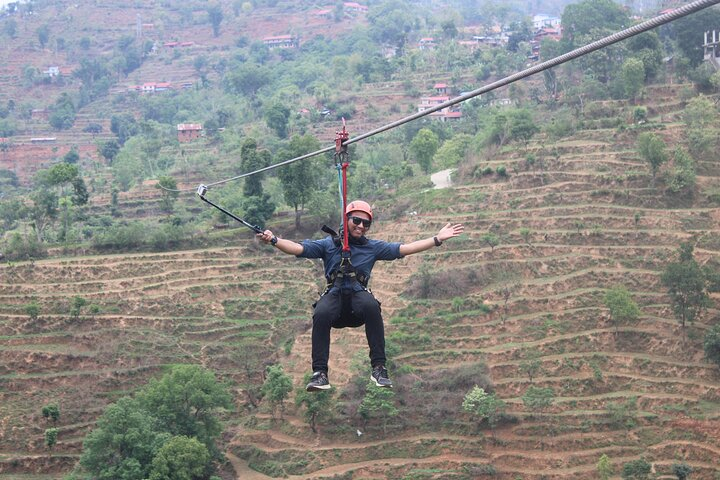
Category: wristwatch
[273,240]
[437,241]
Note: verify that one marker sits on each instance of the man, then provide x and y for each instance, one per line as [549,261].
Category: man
[347,302]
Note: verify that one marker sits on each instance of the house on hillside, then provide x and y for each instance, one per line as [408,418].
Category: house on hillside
[187,132]
[39,114]
[712,48]
[281,41]
[52,72]
[354,7]
[326,13]
[548,32]
[445,114]
[151,87]
[441,88]
[495,40]
[469,44]
[427,43]
[541,21]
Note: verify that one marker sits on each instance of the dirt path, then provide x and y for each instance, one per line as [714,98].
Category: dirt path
[242,470]
[443,178]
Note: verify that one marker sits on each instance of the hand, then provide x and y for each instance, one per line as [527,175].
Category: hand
[266,236]
[450,231]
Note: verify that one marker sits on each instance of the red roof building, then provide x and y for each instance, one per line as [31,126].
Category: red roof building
[281,41]
[355,7]
[187,132]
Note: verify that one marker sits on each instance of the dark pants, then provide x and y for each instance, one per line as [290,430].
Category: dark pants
[329,313]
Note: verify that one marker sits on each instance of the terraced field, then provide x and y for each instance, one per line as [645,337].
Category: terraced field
[465,314]
[144,311]
[589,220]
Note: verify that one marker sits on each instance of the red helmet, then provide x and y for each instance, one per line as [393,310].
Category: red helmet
[359,206]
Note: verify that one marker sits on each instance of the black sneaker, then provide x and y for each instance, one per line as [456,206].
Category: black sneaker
[380,377]
[319,381]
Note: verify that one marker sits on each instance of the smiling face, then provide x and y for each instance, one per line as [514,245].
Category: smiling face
[362,219]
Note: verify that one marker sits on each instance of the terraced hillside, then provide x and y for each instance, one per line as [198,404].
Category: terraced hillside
[462,315]
[144,311]
[468,314]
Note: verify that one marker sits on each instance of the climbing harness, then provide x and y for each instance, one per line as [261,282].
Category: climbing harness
[202,190]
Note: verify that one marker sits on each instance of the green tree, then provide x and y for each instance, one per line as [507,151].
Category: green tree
[633,77]
[180,458]
[76,306]
[636,470]
[623,308]
[700,117]
[215,15]
[531,364]
[109,150]
[711,345]
[423,148]
[449,28]
[123,443]
[522,126]
[32,310]
[391,21]
[378,403]
[687,286]
[452,151]
[277,117]
[51,412]
[583,17]
[318,405]
[51,436]
[42,211]
[491,240]
[537,399]
[252,159]
[300,180]
[623,414]
[681,470]
[648,48]
[184,401]
[168,193]
[62,115]
[71,156]
[652,150]
[10,28]
[681,176]
[484,406]
[124,126]
[246,79]
[604,467]
[258,209]
[43,34]
[277,388]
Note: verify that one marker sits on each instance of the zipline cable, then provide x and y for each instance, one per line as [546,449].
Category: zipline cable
[546,65]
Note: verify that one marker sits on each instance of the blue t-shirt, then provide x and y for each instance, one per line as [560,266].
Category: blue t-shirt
[362,257]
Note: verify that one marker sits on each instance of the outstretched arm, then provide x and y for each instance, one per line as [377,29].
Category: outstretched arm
[448,231]
[286,246]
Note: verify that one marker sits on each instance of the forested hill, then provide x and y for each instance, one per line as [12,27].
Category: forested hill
[571,332]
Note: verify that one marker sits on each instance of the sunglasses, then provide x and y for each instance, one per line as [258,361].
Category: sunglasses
[358,221]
